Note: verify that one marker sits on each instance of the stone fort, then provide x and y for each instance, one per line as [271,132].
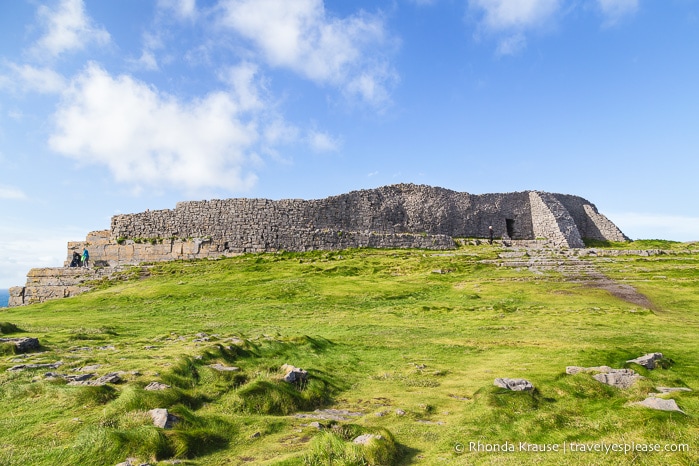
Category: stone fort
[396,216]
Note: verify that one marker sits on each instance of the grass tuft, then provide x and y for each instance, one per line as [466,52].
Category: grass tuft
[7,328]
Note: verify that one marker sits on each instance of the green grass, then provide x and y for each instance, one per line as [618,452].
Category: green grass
[413,352]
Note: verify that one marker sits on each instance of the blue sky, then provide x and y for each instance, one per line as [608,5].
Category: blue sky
[113,107]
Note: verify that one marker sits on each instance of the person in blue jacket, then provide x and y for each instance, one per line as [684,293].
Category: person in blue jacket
[86,257]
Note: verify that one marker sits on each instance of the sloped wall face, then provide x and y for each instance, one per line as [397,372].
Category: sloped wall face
[260,224]
[590,222]
[553,221]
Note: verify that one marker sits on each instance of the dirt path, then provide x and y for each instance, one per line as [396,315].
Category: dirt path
[622,291]
[574,270]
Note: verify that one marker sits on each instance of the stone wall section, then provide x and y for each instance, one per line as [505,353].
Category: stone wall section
[51,283]
[553,221]
[589,221]
[250,225]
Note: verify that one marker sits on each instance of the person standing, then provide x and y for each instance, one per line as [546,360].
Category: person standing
[86,257]
[490,233]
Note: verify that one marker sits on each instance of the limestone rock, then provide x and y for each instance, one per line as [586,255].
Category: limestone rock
[666,390]
[649,361]
[23,344]
[620,378]
[659,404]
[222,368]
[516,385]
[162,418]
[294,374]
[21,367]
[156,386]
[572,370]
[366,438]
[69,378]
[329,415]
[112,377]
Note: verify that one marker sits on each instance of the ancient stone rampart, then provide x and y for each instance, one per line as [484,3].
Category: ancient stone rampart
[252,225]
[397,216]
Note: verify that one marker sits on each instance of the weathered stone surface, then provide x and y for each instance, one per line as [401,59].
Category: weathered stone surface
[246,225]
[329,415]
[666,390]
[294,374]
[56,282]
[364,439]
[162,418]
[21,367]
[69,378]
[572,370]
[649,361]
[112,377]
[620,378]
[156,386]
[223,368]
[516,385]
[659,404]
[23,344]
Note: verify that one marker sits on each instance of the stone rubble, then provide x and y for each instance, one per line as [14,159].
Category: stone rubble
[162,418]
[516,385]
[649,361]
[661,404]
[23,344]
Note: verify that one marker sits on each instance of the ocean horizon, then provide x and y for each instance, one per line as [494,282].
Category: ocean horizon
[4,297]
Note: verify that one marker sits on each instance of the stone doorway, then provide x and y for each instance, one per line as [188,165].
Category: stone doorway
[510,225]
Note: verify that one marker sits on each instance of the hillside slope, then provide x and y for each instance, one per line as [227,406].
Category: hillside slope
[401,349]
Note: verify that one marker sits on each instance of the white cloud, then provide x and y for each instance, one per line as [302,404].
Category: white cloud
[504,15]
[301,36]
[323,142]
[11,193]
[68,28]
[657,226]
[148,138]
[614,10]
[513,18]
[32,79]
[184,9]
[23,248]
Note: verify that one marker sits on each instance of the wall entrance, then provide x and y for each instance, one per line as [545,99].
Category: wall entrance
[510,224]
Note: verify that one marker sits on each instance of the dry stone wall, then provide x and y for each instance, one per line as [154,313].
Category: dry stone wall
[397,216]
[50,283]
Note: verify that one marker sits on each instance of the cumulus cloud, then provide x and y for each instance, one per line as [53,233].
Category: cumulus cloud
[301,36]
[146,137]
[614,10]
[68,28]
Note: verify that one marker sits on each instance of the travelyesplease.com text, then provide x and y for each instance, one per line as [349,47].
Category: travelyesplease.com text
[569,447]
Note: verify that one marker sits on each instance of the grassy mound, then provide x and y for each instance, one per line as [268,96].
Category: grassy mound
[392,349]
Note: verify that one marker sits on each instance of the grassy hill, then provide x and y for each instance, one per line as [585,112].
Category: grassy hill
[402,345]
